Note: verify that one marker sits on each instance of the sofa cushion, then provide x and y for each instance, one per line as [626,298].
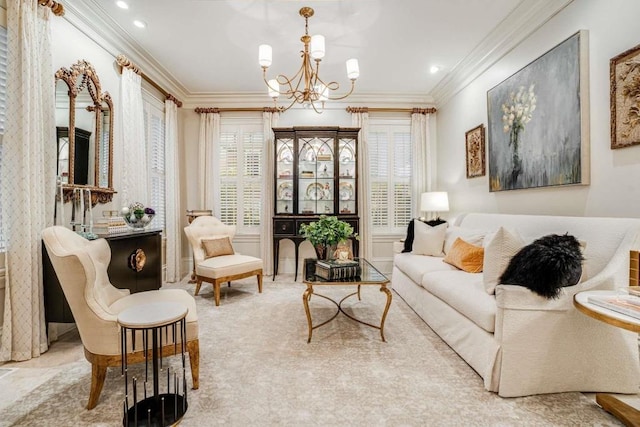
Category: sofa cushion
[408,241]
[465,293]
[469,235]
[465,256]
[428,240]
[546,265]
[497,254]
[415,266]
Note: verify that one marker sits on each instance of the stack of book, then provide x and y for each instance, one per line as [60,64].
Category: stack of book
[110,225]
[334,269]
[625,304]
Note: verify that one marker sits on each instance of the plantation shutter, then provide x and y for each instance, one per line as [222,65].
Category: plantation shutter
[157,166]
[378,162]
[402,179]
[228,156]
[252,179]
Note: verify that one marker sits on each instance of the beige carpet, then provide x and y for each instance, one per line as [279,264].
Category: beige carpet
[256,369]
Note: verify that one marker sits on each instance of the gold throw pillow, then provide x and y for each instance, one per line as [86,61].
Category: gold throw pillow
[465,256]
[217,247]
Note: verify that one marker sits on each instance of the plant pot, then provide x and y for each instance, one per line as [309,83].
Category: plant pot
[325,252]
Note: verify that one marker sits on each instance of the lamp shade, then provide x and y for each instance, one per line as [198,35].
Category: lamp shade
[264,55]
[274,88]
[434,201]
[353,70]
[317,46]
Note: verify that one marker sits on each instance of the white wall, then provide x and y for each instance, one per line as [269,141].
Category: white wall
[613,28]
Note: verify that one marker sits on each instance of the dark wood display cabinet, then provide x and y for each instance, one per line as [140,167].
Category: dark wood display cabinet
[136,264]
[315,174]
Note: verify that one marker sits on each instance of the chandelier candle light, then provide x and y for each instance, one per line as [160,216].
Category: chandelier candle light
[305,87]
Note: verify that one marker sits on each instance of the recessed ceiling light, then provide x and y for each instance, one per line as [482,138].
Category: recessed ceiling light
[122,4]
[434,69]
[140,24]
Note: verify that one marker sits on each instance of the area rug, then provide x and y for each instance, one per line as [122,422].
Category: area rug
[257,369]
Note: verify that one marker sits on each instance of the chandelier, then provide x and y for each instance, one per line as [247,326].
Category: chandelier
[305,87]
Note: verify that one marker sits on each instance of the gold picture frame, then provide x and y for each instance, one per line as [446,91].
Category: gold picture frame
[625,98]
[475,152]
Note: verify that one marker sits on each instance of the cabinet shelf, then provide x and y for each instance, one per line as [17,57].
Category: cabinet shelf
[322,162]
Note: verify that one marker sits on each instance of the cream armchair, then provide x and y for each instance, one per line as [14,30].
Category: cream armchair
[81,267]
[223,268]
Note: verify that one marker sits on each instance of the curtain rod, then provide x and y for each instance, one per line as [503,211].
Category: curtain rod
[56,8]
[201,110]
[125,62]
[391,110]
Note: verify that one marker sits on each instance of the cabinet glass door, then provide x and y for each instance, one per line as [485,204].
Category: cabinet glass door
[284,175]
[315,176]
[347,175]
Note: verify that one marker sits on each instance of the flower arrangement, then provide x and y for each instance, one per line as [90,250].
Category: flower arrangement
[136,215]
[517,112]
[326,232]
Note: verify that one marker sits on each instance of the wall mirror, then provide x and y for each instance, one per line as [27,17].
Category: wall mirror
[84,132]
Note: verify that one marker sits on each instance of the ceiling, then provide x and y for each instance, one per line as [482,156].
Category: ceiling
[211,46]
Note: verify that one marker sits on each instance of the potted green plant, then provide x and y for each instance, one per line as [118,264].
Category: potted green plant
[326,233]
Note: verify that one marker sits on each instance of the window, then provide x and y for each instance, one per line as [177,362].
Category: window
[154,133]
[390,168]
[239,181]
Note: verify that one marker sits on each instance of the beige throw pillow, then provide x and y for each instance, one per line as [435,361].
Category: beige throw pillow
[428,240]
[475,237]
[217,247]
[497,254]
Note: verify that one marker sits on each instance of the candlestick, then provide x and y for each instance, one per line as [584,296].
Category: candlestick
[90,211]
[82,212]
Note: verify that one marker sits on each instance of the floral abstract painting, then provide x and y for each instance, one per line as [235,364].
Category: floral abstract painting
[538,121]
[475,152]
[625,98]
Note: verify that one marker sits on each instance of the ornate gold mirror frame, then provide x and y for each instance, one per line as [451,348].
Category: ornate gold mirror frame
[79,78]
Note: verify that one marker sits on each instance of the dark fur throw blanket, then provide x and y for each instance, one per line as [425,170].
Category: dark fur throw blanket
[546,265]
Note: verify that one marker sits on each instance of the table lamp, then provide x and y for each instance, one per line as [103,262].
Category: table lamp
[434,201]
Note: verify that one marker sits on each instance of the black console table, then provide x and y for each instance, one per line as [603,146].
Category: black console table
[145,276]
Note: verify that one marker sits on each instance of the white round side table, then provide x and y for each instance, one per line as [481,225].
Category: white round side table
[160,320]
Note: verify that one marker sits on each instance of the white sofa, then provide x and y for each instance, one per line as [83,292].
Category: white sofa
[518,342]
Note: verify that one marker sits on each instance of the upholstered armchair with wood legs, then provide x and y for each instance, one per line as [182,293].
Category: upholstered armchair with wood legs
[223,268]
[81,267]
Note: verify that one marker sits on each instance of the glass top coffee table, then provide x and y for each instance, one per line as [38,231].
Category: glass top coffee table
[369,276]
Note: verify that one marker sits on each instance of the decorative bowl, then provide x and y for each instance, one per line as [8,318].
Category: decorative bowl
[138,221]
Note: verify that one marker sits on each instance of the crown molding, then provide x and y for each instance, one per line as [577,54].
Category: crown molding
[90,19]
[260,99]
[526,18]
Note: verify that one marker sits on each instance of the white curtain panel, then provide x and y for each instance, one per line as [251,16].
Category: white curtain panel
[269,120]
[134,152]
[361,120]
[208,141]
[172,192]
[420,167]
[28,168]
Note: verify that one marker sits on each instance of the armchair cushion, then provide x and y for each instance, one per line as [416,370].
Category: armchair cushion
[217,247]
[227,265]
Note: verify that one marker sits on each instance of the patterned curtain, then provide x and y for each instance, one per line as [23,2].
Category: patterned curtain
[269,120]
[209,139]
[134,153]
[27,176]
[421,175]
[172,196]
[361,120]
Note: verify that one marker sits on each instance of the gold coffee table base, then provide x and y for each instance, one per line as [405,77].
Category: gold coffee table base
[306,296]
